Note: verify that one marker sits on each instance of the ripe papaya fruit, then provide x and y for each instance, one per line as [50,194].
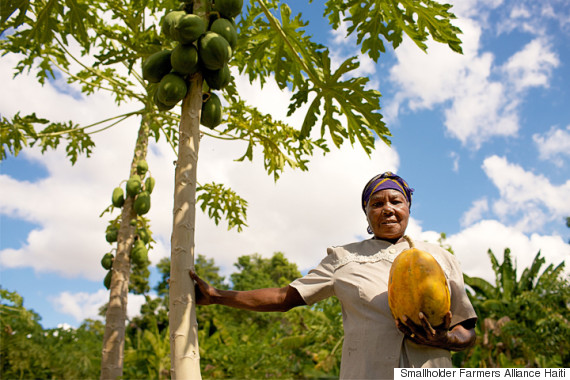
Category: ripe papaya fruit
[142,203]
[214,51]
[226,29]
[211,115]
[111,234]
[171,89]
[218,79]
[417,283]
[118,197]
[142,167]
[107,260]
[229,8]
[107,279]
[184,59]
[169,23]
[149,184]
[189,28]
[157,66]
[134,185]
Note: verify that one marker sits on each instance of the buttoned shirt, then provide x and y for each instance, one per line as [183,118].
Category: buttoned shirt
[357,274]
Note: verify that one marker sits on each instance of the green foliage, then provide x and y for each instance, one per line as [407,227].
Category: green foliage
[28,351]
[373,21]
[20,132]
[523,322]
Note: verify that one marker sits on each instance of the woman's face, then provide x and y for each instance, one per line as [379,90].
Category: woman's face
[388,212]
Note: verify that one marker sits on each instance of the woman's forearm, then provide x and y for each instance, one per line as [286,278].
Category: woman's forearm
[267,299]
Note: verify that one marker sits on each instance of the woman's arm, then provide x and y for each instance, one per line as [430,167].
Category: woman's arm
[267,299]
[457,339]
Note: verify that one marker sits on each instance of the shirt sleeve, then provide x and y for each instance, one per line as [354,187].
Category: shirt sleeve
[461,308]
[318,284]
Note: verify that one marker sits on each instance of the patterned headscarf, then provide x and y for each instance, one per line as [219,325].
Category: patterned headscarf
[383,181]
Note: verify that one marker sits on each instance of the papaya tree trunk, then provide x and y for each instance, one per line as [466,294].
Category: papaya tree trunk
[184,353]
[116,315]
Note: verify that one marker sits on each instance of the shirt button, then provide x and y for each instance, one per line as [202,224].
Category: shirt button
[391,251]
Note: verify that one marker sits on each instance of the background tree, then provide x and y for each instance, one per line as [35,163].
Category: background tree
[272,44]
[523,322]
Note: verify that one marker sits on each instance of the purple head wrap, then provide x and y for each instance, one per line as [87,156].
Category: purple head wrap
[383,181]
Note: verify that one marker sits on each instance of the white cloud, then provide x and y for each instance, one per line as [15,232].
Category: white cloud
[471,246]
[531,198]
[479,107]
[553,145]
[532,66]
[475,213]
[82,305]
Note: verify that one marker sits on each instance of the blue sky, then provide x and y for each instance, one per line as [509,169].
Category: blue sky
[483,137]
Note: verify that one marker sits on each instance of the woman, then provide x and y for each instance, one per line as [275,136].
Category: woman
[357,274]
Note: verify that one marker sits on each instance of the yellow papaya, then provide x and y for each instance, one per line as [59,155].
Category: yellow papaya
[417,283]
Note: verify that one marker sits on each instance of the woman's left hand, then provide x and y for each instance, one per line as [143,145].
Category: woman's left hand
[456,339]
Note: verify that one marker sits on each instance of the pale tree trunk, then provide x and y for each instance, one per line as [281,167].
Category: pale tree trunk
[184,352]
[116,316]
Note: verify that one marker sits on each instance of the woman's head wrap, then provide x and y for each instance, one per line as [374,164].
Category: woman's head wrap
[383,181]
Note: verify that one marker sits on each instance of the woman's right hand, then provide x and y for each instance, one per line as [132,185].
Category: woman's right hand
[204,291]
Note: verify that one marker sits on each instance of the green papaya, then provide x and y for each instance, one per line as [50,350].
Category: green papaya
[157,66]
[142,167]
[229,8]
[226,29]
[171,89]
[107,260]
[184,59]
[149,184]
[169,23]
[161,106]
[139,253]
[133,222]
[189,28]
[112,234]
[211,115]
[118,197]
[144,235]
[107,280]
[134,185]
[218,79]
[142,203]
[214,51]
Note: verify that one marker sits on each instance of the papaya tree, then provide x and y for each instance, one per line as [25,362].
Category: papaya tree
[116,37]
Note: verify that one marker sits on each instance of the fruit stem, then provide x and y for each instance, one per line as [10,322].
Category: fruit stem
[409,240]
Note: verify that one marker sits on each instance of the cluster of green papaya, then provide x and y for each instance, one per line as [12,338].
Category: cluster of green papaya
[201,46]
[140,191]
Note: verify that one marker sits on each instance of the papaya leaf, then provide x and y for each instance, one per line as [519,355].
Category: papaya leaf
[219,202]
